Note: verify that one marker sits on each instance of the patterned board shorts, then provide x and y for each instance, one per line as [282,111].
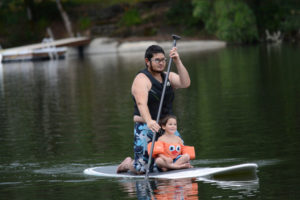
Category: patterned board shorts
[142,136]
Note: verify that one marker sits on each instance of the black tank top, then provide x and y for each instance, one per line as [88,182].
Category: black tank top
[154,96]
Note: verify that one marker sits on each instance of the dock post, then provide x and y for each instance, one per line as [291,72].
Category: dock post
[81,51]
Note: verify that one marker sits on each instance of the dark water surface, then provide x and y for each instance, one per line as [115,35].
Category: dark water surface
[59,117]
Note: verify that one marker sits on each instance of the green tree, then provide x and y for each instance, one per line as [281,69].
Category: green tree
[230,20]
[131,17]
[277,15]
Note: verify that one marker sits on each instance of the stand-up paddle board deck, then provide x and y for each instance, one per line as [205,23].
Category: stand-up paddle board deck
[248,169]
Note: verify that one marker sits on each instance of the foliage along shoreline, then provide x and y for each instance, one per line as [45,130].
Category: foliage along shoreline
[234,21]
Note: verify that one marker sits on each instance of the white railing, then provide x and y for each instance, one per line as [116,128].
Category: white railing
[51,49]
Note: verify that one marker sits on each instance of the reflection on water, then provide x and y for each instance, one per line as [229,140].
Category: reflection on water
[161,189]
[176,189]
[59,117]
[188,188]
[1,80]
[242,189]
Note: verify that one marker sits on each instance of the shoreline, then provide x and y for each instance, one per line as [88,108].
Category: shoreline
[111,46]
[82,46]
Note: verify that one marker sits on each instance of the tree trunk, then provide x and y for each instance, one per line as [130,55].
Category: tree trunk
[29,4]
[65,17]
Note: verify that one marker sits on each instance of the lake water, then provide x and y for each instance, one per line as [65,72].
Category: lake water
[59,117]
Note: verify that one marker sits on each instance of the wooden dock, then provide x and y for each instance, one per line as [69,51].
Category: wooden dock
[45,50]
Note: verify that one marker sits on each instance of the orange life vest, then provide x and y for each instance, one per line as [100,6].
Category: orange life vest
[171,150]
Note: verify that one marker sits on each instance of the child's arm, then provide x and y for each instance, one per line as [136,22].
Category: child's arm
[167,159]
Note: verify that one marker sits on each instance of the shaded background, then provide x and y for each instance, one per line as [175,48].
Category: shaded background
[235,21]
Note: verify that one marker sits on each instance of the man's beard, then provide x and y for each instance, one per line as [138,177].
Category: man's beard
[154,70]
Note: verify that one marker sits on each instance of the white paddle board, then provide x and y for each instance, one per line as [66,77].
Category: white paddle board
[247,169]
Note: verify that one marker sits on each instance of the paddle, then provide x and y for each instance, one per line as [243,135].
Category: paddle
[175,38]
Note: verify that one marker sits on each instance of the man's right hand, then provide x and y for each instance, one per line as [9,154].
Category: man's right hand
[153,126]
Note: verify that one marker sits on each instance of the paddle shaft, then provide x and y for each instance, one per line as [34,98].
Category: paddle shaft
[175,37]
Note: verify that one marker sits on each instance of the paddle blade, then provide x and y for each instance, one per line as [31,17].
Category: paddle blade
[176,37]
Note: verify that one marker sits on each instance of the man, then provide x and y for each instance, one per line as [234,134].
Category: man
[146,90]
